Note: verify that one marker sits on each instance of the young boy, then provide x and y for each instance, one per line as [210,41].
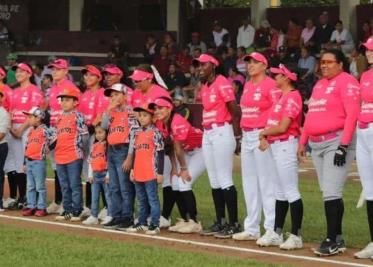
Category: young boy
[71,133]
[146,145]
[4,129]
[38,141]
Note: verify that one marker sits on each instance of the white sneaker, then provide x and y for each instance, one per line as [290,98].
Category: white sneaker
[102,214]
[177,226]
[190,227]
[85,213]
[245,236]
[164,223]
[54,208]
[76,218]
[137,228]
[106,220]
[8,202]
[270,238]
[2,210]
[90,221]
[365,253]
[293,242]
[152,230]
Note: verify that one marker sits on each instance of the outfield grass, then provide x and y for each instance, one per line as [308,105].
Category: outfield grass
[26,247]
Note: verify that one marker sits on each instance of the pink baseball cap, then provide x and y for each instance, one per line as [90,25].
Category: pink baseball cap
[369,43]
[284,71]
[162,102]
[112,69]
[23,67]
[256,56]
[204,58]
[2,71]
[140,75]
[59,64]
[92,69]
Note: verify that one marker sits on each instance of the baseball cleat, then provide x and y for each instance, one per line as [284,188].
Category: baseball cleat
[293,242]
[270,238]
[213,229]
[327,248]
[228,231]
[366,253]
[245,236]
[137,228]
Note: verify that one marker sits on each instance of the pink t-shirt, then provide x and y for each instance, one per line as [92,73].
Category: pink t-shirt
[256,101]
[184,132]
[129,96]
[54,102]
[102,102]
[366,85]
[155,91]
[88,105]
[23,99]
[8,92]
[288,106]
[214,99]
[334,105]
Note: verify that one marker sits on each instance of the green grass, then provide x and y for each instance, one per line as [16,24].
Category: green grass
[26,247]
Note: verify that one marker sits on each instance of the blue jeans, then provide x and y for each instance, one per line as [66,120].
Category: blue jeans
[147,195]
[122,190]
[36,188]
[71,185]
[98,186]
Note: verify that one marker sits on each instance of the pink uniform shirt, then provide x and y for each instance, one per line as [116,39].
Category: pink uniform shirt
[54,102]
[366,85]
[8,93]
[88,104]
[183,131]
[256,101]
[288,106]
[23,99]
[139,99]
[334,105]
[214,99]
[102,102]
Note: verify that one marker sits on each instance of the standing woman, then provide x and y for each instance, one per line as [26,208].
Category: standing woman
[281,135]
[364,149]
[187,143]
[7,91]
[219,144]
[24,97]
[258,177]
[329,129]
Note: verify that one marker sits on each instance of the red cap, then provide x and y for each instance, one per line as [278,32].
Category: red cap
[284,71]
[204,58]
[59,64]
[140,75]
[161,102]
[92,69]
[145,108]
[71,91]
[256,56]
[369,43]
[23,67]
[2,71]
[112,69]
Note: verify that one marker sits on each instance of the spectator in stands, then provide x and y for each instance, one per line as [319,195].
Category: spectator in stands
[11,74]
[306,66]
[184,60]
[246,34]
[169,42]
[219,33]
[181,108]
[358,62]
[292,37]
[175,80]
[46,84]
[262,36]
[235,75]
[193,83]
[196,42]
[238,89]
[162,61]
[367,32]
[197,52]
[4,34]
[277,39]
[283,57]
[47,70]
[38,70]
[341,38]
[306,38]
[323,32]
[119,52]
[151,49]
[228,58]
[240,62]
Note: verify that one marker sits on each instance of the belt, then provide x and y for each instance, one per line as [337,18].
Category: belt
[29,159]
[248,129]
[192,149]
[119,146]
[282,139]
[323,137]
[364,125]
[218,124]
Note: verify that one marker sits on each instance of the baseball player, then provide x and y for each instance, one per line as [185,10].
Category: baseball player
[7,91]
[219,144]
[257,175]
[329,129]
[281,135]
[364,145]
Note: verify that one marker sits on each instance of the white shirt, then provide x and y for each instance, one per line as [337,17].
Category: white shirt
[218,36]
[245,36]
[4,123]
[345,36]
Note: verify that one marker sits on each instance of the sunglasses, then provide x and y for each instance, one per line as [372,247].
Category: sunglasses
[327,62]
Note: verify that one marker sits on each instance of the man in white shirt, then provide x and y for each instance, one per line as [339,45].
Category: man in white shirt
[219,33]
[342,38]
[4,128]
[246,34]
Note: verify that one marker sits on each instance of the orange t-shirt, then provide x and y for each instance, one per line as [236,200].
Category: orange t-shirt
[118,128]
[37,140]
[98,157]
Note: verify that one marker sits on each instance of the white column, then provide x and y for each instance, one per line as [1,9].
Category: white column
[173,15]
[259,11]
[347,13]
[75,15]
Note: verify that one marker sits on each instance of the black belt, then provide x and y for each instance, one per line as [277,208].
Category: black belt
[119,146]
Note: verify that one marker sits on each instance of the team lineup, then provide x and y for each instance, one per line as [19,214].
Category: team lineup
[126,142]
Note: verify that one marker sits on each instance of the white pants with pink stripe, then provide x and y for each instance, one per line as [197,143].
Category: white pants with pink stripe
[364,159]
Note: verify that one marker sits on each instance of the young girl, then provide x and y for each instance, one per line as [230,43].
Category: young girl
[146,145]
[98,176]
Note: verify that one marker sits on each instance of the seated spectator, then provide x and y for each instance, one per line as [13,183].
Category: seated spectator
[306,37]
[367,32]
[197,52]
[235,75]
[306,66]
[229,59]
[162,61]
[38,70]
[151,49]
[218,33]
[181,108]
[283,57]
[196,42]
[246,34]
[119,52]
[238,89]
[169,42]
[358,62]
[240,62]
[11,74]
[193,82]
[262,38]
[323,31]
[292,37]
[184,60]
[341,38]
[277,39]
[175,80]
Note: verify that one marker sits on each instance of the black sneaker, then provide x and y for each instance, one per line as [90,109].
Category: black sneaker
[228,231]
[341,245]
[13,205]
[327,248]
[64,216]
[213,229]
[113,224]
[153,230]
[124,225]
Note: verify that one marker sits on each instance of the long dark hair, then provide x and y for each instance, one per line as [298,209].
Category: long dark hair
[168,140]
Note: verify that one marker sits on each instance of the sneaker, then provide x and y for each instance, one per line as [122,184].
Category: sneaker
[213,229]
[85,213]
[177,226]
[164,223]
[113,224]
[190,227]
[341,244]
[54,208]
[90,221]
[41,213]
[77,217]
[64,216]
[106,220]
[124,225]
[152,230]
[270,238]
[245,236]
[366,253]
[293,242]
[28,212]
[8,202]
[327,248]
[12,205]
[228,231]
[102,214]
[21,204]
[2,210]
[137,228]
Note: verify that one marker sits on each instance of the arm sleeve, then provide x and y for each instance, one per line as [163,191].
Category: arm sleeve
[132,136]
[160,161]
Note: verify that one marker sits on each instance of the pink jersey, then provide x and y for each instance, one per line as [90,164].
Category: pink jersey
[366,85]
[288,106]
[23,99]
[54,102]
[129,96]
[102,102]
[334,105]
[88,104]
[8,92]
[155,91]
[183,131]
[256,101]
[214,99]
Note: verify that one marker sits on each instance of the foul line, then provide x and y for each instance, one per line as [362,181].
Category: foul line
[190,242]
